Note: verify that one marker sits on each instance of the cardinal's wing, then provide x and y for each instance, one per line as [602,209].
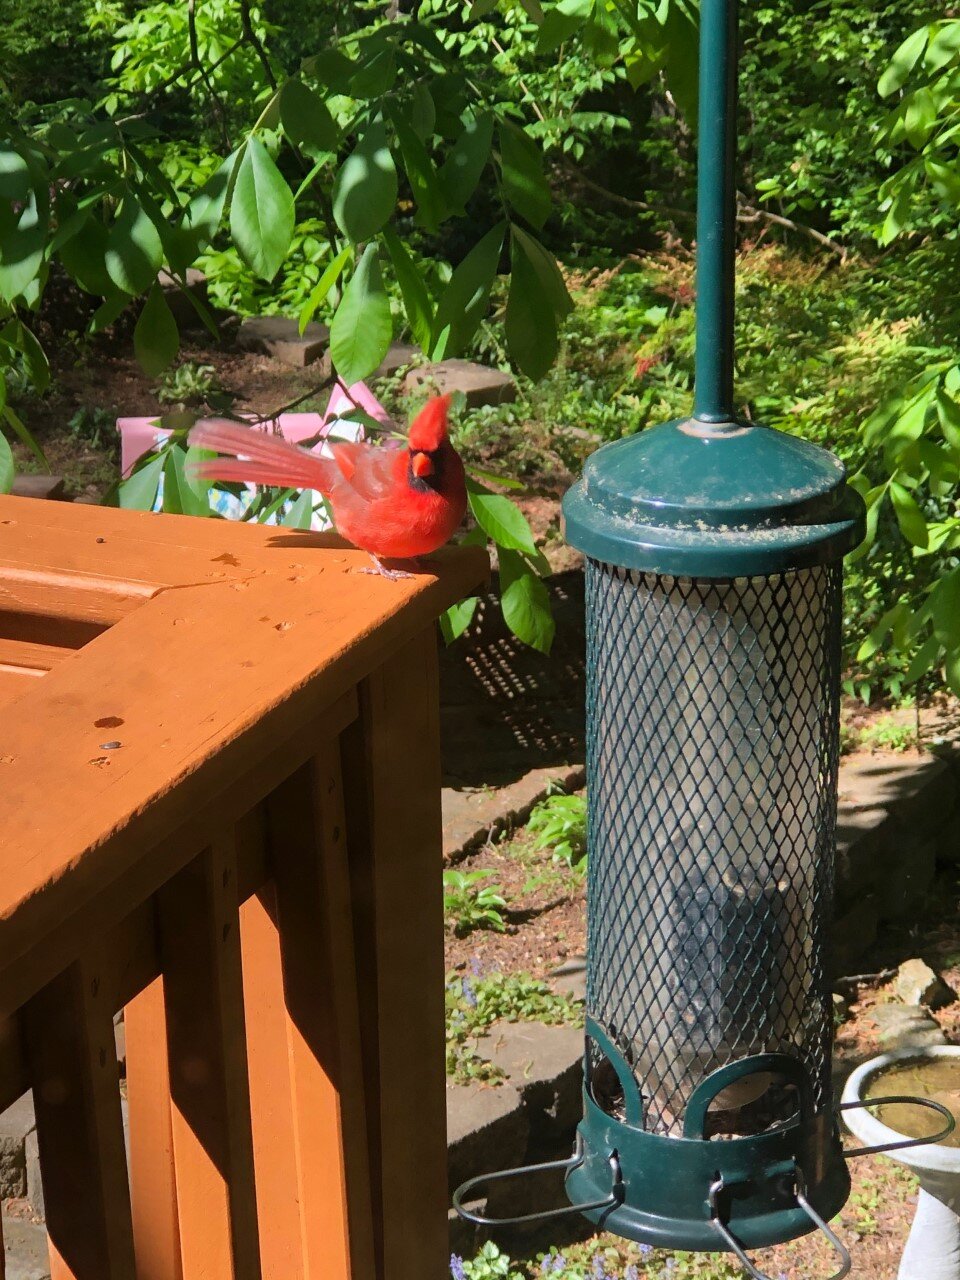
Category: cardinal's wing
[370,471]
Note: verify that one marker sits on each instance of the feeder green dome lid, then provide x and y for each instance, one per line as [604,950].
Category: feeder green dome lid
[702,501]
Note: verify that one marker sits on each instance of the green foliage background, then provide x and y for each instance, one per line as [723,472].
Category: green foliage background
[420,170]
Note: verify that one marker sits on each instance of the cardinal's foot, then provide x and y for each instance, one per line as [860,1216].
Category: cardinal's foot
[380,568]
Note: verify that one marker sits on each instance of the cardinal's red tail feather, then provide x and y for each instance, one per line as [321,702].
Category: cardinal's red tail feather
[258,458]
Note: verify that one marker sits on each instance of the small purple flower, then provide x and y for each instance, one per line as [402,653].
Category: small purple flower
[468,993]
[559,1263]
[646,1250]
[631,1272]
[671,1265]
[546,1266]
[476,968]
[456,1267]
[599,1270]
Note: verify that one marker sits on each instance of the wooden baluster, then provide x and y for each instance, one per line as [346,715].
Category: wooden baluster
[203,995]
[392,776]
[153,1187]
[69,1041]
[308,856]
[271,1103]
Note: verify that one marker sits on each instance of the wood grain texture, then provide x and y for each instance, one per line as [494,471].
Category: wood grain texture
[308,856]
[68,1036]
[206,1043]
[153,1188]
[392,773]
[271,1102]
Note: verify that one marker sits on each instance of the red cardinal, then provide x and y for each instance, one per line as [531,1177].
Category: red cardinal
[395,504]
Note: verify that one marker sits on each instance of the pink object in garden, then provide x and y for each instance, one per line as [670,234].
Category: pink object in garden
[139,435]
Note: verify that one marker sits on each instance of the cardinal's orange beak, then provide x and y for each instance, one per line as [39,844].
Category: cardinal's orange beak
[422,465]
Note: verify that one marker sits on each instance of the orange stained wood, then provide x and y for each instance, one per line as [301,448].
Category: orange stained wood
[205,815]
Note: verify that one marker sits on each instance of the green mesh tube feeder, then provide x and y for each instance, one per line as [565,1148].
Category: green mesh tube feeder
[713,550]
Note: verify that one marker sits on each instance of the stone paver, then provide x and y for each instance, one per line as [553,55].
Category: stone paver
[39,486]
[16,1123]
[280,337]
[180,305]
[471,818]
[902,1027]
[25,1243]
[479,384]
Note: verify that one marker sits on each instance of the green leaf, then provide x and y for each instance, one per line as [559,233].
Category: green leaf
[362,328]
[180,497]
[134,250]
[525,603]
[139,492]
[920,118]
[872,498]
[35,357]
[84,257]
[204,212]
[457,618]
[365,189]
[332,68]
[548,271]
[306,119]
[156,339]
[300,514]
[416,300]
[944,180]
[422,176]
[944,46]
[500,519]
[948,411]
[326,282]
[903,62]
[7,469]
[22,241]
[16,181]
[923,660]
[531,323]
[423,113]
[460,172]
[951,669]
[910,518]
[261,212]
[521,165]
[463,302]
[20,429]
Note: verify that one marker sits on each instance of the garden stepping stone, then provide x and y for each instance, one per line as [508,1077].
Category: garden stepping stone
[479,384]
[176,298]
[26,1249]
[917,984]
[902,1027]
[398,357]
[280,337]
[41,486]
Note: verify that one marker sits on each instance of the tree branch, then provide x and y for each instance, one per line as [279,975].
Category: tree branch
[748,213]
[205,74]
[256,43]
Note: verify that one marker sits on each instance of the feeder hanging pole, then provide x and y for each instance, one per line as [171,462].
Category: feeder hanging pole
[716,211]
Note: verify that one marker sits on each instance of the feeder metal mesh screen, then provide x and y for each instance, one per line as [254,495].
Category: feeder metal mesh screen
[712,748]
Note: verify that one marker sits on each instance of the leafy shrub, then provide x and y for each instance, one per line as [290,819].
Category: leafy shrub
[560,824]
[470,903]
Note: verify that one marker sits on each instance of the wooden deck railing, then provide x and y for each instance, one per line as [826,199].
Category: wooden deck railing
[219,811]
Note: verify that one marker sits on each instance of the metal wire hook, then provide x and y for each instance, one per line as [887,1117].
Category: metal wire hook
[862,1104]
[736,1248]
[611,1202]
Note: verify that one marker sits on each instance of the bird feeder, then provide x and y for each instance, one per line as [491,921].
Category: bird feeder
[713,551]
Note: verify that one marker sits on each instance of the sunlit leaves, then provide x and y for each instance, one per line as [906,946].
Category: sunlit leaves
[139,491]
[500,519]
[525,602]
[134,251]
[261,212]
[365,190]
[362,328]
[467,159]
[6,465]
[416,299]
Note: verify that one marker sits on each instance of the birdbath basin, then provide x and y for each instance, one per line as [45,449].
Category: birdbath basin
[933,1248]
